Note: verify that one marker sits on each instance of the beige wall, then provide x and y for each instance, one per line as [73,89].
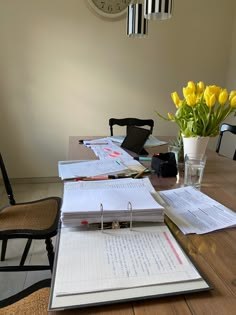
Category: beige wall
[64,71]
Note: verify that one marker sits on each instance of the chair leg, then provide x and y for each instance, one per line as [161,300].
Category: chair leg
[4,248]
[50,250]
[111,130]
[25,253]
[219,142]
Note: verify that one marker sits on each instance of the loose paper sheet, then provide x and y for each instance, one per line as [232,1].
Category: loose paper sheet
[120,259]
[75,169]
[104,149]
[194,212]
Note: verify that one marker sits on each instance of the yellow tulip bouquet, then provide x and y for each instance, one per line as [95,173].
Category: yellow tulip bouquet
[202,109]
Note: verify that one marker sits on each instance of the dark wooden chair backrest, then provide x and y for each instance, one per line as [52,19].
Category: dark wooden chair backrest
[223,128]
[6,181]
[130,122]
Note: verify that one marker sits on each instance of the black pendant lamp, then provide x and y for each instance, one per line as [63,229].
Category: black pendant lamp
[158,9]
[137,25]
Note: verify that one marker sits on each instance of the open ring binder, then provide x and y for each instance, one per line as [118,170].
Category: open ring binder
[116,224]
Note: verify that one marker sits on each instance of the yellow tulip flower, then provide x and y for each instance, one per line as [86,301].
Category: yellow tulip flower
[223,96]
[191,99]
[198,98]
[233,101]
[202,109]
[213,89]
[208,91]
[191,85]
[175,98]
[210,99]
[232,94]
[187,91]
[200,87]
[170,116]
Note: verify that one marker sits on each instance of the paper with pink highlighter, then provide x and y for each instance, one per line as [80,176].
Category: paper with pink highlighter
[105,149]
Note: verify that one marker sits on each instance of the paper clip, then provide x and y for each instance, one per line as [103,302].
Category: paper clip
[101,208]
[130,208]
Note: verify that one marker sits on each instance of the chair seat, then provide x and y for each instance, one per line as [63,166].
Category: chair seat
[33,300]
[36,303]
[30,220]
[37,215]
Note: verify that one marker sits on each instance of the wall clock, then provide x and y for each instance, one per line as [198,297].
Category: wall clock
[110,9]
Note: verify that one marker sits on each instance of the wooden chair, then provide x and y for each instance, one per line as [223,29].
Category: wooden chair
[37,219]
[130,122]
[32,300]
[223,128]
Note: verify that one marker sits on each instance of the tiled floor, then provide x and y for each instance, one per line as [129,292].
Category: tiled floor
[12,282]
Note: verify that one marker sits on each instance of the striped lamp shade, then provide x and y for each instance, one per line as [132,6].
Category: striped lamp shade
[136,23]
[158,9]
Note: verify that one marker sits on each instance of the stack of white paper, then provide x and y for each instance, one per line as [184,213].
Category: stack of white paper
[75,169]
[194,212]
[80,168]
[87,202]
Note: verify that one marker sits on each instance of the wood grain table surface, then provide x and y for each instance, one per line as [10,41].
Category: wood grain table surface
[214,253]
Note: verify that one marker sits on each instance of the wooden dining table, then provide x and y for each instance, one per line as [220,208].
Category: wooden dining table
[213,253]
